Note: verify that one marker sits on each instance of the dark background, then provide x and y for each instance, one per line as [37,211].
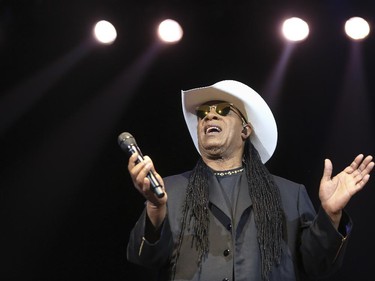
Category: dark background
[67,204]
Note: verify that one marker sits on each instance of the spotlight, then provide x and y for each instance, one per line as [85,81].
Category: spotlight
[170,31]
[357,28]
[105,32]
[295,29]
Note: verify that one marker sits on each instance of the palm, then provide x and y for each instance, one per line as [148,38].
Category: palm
[335,192]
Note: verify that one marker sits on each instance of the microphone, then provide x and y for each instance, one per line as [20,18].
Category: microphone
[129,145]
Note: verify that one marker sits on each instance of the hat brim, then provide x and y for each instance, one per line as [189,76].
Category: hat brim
[249,102]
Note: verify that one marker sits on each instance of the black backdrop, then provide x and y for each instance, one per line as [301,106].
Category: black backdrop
[66,201]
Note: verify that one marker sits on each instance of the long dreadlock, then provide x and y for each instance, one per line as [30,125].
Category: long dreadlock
[266,200]
[195,208]
[267,208]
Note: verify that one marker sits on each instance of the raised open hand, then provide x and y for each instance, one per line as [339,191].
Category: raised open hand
[335,192]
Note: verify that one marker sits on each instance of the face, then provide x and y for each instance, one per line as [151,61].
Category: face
[221,136]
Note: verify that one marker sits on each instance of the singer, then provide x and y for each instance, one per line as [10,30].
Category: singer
[229,218]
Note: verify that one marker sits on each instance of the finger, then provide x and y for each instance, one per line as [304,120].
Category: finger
[160,179]
[132,161]
[367,165]
[354,165]
[362,182]
[146,186]
[368,169]
[144,168]
[134,167]
[370,166]
[152,169]
[327,172]
[148,159]
[149,162]
[138,171]
[357,161]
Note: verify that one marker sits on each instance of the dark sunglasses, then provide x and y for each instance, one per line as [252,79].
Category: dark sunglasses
[222,109]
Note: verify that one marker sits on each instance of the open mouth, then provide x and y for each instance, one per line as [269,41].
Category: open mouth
[212,130]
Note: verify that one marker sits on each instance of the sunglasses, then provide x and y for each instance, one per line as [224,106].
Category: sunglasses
[222,109]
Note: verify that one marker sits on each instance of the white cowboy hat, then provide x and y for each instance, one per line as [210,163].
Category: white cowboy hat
[249,102]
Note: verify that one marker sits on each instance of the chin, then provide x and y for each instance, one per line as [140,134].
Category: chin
[213,151]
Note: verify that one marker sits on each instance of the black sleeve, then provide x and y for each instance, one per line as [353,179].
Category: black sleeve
[152,234]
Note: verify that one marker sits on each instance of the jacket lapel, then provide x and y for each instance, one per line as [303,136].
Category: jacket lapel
[216,196]
[243,198]
[221,208]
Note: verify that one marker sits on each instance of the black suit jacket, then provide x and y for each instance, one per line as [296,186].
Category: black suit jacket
[312,248]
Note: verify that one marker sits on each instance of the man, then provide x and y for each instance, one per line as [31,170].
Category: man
[229,218]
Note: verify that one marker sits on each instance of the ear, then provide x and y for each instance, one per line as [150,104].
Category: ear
[246,131]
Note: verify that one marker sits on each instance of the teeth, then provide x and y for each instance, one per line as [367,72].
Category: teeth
[213,129]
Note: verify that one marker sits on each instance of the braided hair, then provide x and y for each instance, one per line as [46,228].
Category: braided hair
[267,208]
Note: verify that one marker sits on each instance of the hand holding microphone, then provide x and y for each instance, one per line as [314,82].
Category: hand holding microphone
[129,145]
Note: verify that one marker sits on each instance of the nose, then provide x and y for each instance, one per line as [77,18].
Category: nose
[212,114]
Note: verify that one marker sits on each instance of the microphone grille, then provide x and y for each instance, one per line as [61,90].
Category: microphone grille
[126,138]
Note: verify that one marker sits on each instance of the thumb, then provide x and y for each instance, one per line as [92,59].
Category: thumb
[327,172]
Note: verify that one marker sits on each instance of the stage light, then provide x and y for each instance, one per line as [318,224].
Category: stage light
[105,32]
[170,31]
[357,28]
[295,29]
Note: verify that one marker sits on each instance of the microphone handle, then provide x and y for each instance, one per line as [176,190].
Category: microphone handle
[155,185]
